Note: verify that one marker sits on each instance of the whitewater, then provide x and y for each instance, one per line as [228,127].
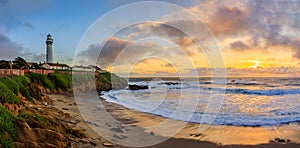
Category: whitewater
[245,101]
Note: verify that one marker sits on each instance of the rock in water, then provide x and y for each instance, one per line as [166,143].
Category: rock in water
[137,87]
[280,140]
[171,83]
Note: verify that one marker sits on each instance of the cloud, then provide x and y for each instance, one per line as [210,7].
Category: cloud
[27,25]
[8,49]
[169,32]
[228,20]
[167,65]
[13,15]
[120,50]
[296,45]
[253,72]
[239,45]
[267,23]
[108,54]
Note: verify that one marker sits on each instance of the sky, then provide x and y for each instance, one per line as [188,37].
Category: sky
[256,38]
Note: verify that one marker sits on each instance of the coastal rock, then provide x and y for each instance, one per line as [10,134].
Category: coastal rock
[195,135]
[281,140]
[45,103]
[137,87]
[64,108]
[151,134]
[106,144]
[171,83]
[37,137]
[93,142]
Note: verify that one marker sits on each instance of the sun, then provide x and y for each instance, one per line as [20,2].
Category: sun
[257,64]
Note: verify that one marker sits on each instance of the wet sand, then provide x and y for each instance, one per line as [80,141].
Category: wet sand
[189,136]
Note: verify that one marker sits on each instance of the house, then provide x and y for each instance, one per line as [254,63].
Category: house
[90,68]
[56,66]
[83,68]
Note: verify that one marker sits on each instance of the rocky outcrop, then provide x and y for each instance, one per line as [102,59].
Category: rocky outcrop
[137,87]
[170,83]
[37,137]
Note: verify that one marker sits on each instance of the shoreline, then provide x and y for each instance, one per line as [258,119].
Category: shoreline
[214,136]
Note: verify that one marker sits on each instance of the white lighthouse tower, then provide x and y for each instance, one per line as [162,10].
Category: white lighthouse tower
[49,50]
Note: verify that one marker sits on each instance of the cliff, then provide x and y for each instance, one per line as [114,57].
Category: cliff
[26,116]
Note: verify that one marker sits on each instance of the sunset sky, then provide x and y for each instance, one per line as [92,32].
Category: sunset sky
[257,38]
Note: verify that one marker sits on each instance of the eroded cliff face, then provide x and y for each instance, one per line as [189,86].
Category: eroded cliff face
[40,125]
[101,84]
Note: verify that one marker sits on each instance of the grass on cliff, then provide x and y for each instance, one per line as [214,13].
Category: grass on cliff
[23,82]
[42,79]
[82,78]
[35,120]
[6,95]
[8,132]
[10,84]
[22,79]
[63,81]
[108,77]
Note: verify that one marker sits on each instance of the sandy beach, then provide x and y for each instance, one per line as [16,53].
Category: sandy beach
[214,136]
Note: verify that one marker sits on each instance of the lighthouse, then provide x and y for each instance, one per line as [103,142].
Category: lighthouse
[49,50]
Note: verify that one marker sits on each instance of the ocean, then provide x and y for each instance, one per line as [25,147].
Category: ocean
[243,102]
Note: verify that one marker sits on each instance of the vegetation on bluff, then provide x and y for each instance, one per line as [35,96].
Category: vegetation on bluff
[42,79]
[23,82]
[8,131]
[62,81]
[6,95]
[35,119]
[107,81]
[32,86]
[11,85]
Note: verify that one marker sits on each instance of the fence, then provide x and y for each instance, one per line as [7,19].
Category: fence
[21,72]
[16,72]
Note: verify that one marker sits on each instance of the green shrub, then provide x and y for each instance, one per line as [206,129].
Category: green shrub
[102,79]
[82,78]
[25,92]
[110,77]
[7,126]
[39,78]
[11,85]
[23,82]
[35,120]
[63,81]
[6,95]
[22,79]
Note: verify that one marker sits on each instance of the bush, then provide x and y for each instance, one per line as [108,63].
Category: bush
[25,92]
[35,120]
[63,81]
[102,79]
[82,78]
[110,77]
[7,126]
[42,79]
[22,79]
[6,95]
[11,85]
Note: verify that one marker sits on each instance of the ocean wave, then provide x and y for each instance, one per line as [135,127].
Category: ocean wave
[270,92]
[237,119]
[264,102]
